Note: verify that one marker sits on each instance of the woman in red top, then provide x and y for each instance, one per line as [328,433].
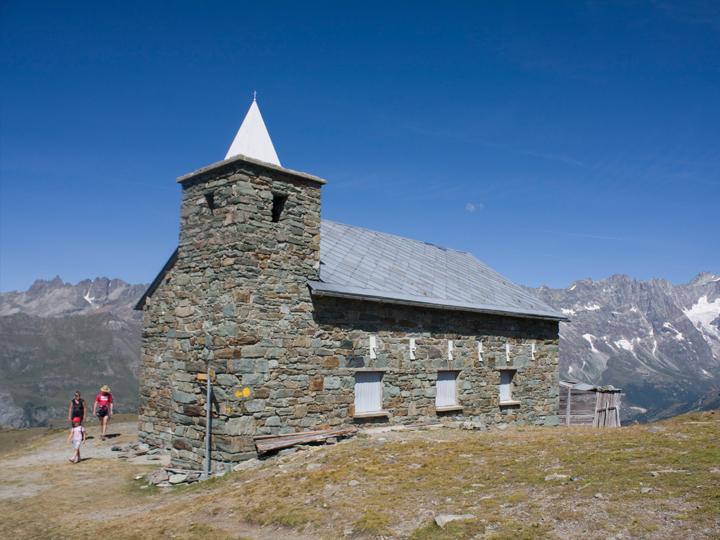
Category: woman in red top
[103,408]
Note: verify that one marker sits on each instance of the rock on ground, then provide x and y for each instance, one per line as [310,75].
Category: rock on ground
[443,519]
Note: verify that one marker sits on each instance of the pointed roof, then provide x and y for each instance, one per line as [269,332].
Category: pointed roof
[252,139]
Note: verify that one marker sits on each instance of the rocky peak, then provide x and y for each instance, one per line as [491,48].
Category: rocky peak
[40,286]
[704,278]
[55,298]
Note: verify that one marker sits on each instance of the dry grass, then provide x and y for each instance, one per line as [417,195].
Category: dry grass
[392,485]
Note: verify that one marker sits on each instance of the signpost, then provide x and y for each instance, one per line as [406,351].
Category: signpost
[208,427]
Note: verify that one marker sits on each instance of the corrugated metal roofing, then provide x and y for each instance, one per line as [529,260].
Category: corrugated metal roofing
[357,262]
[585,387]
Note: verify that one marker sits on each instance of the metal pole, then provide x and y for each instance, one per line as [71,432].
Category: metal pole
[208,419]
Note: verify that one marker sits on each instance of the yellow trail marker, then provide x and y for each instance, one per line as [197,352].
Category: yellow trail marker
[244,393]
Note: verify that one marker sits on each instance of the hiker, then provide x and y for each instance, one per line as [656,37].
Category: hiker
[77,437]
[77,408]
[103,408]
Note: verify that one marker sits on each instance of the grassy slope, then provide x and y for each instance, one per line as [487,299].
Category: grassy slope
[393,484]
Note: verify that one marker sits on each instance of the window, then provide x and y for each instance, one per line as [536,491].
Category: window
[446,395]
[368,392]
[506,385]
[278,206]
[210,200]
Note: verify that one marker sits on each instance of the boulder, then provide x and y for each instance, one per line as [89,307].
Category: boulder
[443,519]
[177,478]
[247,464]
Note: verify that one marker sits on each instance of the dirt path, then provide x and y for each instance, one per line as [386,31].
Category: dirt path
[43,495]
[54,448]
[23,467]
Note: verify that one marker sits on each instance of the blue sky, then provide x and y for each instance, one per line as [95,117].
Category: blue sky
[553,141]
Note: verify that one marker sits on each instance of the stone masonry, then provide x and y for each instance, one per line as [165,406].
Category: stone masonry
[237,300]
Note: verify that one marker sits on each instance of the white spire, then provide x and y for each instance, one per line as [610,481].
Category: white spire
[252,139]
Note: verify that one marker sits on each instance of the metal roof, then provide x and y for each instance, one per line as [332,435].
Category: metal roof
[585,387]
[359,263]
[158,280]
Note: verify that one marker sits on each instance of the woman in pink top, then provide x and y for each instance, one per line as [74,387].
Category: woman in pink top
[103,408]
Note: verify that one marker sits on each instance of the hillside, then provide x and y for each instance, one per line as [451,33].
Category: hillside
[57,337]
[657,341]
[644,481]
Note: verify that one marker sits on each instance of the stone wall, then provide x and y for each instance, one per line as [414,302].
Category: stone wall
[157,365]
[340,348]
[237,300]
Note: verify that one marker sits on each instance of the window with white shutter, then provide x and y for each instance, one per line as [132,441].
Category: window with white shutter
[446,395]
[368,392]
[506,387]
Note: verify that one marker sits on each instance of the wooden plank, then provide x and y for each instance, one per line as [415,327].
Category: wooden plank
[268,443]
[298,433]
[578,419]
[278,444]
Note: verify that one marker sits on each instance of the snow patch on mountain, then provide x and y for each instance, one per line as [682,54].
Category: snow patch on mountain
[678,334]
[89,299]
[702,314]
[625,344]
[589,338]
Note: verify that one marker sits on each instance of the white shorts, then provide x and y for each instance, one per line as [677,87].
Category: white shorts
[76,444]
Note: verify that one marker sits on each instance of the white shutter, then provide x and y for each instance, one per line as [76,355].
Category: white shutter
[446,395]
[505,381]
[368,391]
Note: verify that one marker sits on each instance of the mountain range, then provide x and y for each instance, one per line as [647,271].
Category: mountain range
[56,338]
[657,341]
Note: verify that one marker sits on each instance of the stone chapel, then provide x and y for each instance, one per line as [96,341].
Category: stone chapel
[309,324]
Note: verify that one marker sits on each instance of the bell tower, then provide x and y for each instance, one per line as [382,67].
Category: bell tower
[249,244]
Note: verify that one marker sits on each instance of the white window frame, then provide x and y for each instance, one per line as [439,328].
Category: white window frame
[446,391]
[369,394]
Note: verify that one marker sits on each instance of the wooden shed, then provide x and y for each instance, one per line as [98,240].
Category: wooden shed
[584,404]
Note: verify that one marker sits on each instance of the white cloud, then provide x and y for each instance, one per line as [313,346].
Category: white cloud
[473,207]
